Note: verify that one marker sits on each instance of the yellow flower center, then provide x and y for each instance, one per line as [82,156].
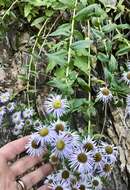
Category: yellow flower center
[82,187]
[59,127]
[107,168]
[57,104]
[128,75]
[109,149]
[88,146]
[95,183]
[54,159]
[4,98]
[97,157]
[15,116]
[9,106]
[65,174]
[35,145]
[82,158]
[60,145]
[58,188]
[18,122]
[37,124]
[105,91]
[28,122]
[43,132]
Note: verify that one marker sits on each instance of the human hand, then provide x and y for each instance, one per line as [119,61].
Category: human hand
[9,173]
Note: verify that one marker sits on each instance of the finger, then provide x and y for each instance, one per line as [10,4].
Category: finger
[25,163]
[3,166]
[44,187]
[10,150]
[36,176]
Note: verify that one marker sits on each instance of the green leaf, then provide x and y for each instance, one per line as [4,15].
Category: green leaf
[72,77]
[109,27]
[82,64]
[108,3]
[57,58]
[51,66]
[76,103]
[49,13]
[123,26]
[103,57]
[120,89]
[123,51]
[37,21]
[117,37]
[97,81]
[81,44]
[36,3]
[83,84]
[117,16]
[63,30]
[112,64]
[97,34]
[108,75]
[68,3]
[60,72]
[89,11]
[62,86]
[27,9]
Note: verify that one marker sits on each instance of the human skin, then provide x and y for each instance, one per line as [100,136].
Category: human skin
[9,172]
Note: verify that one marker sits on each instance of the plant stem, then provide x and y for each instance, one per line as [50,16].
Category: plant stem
[105,119]
[35,86]
[31,59]
[121,34]
[104,42]
[9,9]
[105,45]
[48,34]
[71,37]
[39,33]
[89,80]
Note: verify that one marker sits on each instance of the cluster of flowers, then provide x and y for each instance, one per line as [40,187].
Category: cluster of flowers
[82,160]
[19,119]
[105,95]
[126,75]
[6,107]
[22,119]
[126,79]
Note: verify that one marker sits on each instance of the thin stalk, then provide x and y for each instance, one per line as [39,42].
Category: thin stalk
[125,40]
[89,80]
[35,85]
[39,33]
[48,34]
[121,34]
[105,118]
[31,59]
[71,37]
[105,45]
[103,40]
[9,9]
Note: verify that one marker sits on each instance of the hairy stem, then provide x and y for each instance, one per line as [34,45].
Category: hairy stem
[9,9]
[48,34]
[105,118]
[31,59]
[71,37]
[89,79]
[104,42]
[35,86]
